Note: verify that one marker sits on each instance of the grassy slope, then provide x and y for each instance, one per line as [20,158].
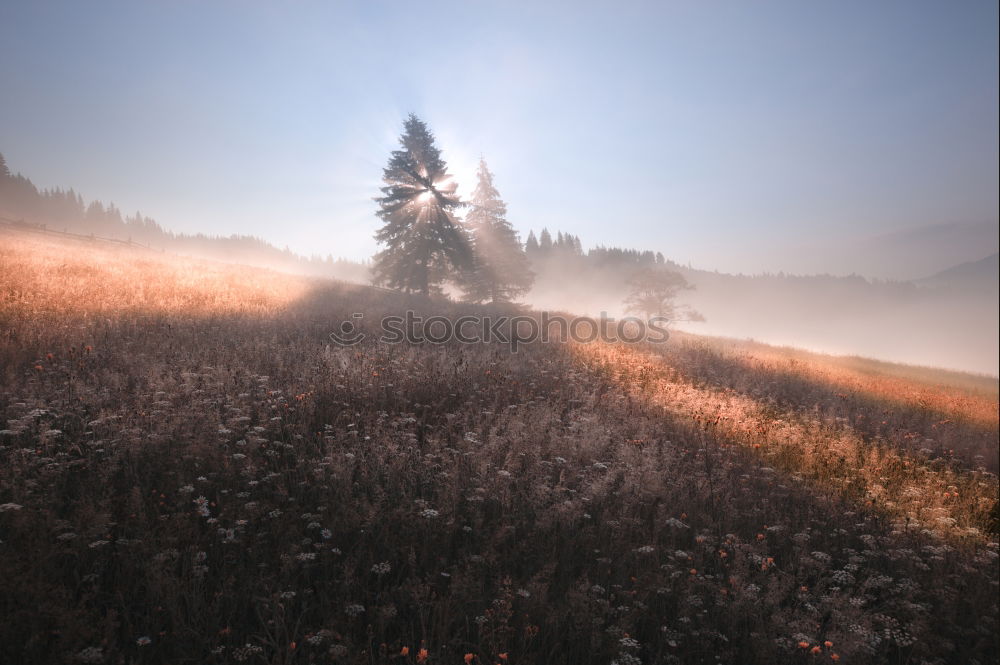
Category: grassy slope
[187,459]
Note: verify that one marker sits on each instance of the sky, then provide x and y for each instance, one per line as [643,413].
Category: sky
[729,135]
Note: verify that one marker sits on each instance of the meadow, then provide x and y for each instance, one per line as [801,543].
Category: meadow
[191,472]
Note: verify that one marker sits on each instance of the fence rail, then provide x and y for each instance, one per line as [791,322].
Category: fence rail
[42,228]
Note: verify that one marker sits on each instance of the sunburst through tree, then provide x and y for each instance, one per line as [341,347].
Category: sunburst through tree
[424,243]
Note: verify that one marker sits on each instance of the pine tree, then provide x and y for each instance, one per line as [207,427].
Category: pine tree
[424,242]
[531,244]
[95,212]
[18,195]
[500,272]
[545,241]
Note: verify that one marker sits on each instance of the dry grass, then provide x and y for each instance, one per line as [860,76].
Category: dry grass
[967,397]
[917,489]
[196,475]
[44,277]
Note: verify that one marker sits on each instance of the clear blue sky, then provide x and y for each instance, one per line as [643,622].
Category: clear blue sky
[721,133]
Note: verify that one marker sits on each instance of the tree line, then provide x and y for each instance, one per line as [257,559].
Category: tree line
[66,210]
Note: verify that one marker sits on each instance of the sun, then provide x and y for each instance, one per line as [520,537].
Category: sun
[428,193]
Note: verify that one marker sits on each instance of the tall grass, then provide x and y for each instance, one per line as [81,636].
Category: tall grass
[190,472]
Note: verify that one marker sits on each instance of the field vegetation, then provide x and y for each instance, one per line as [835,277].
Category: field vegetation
[191,472]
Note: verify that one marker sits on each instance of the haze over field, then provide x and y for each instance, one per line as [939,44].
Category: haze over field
[778,139]
[949,319]
[783,138]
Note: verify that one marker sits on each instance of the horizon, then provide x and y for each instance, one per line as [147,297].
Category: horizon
[587,247]
[888,108]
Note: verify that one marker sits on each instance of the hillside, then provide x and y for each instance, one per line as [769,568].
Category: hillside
[903,255]
[973,276]
[951,320]
[190,471]
[56,210]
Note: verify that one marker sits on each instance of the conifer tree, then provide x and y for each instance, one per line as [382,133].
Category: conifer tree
[424,243]
[531,244]
[500,272]
[545,241]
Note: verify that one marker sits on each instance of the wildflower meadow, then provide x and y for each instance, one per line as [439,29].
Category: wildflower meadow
[192,472]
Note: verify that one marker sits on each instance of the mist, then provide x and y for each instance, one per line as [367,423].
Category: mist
[808,173]
[949,322]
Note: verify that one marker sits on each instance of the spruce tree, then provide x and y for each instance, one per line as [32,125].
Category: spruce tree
[545,241]
[531,244]
[500,272]
[424,243]
[95,213]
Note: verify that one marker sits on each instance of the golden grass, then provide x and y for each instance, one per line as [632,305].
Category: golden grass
[188,461]
[917,491]
[953,394]
[41,276]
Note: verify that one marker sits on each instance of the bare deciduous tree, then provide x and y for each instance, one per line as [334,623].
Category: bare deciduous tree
[654,292]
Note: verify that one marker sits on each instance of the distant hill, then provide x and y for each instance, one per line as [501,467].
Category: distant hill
[978,275]
[905,321]
[907,254]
